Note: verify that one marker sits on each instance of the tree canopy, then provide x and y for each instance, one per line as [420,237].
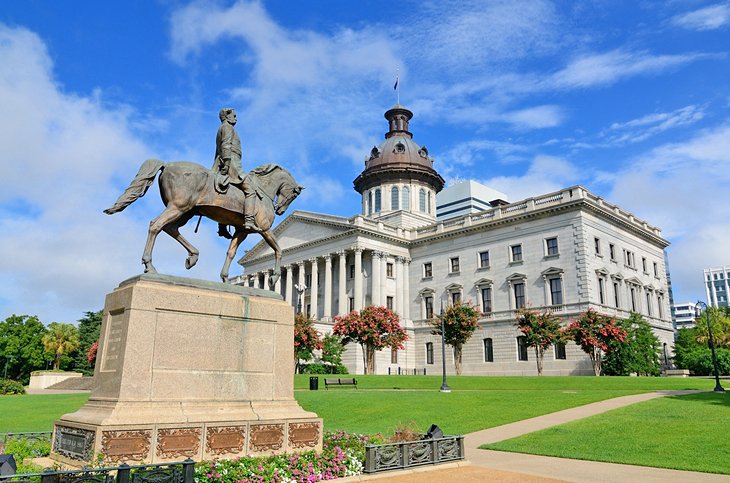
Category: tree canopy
[460,322]
[60,339]
[21,346]
[541,330]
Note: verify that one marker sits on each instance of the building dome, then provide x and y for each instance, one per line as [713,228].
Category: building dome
[398,174]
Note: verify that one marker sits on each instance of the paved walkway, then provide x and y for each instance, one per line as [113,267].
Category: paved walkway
[486,465]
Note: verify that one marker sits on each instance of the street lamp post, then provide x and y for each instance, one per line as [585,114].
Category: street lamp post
[300,291]
[699,304]
[444,387]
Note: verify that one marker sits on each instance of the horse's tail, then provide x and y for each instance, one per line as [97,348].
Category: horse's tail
[139,185]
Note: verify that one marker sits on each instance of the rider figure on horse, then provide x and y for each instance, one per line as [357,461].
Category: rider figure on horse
[228,170]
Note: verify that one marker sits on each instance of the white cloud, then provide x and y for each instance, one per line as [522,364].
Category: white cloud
[60,153]
[644,127]
[535,117]
[711,17]
[544,175]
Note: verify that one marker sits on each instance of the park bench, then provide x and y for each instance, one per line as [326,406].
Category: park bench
[339,381]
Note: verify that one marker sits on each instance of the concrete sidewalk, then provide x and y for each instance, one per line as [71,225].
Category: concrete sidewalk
[486,465]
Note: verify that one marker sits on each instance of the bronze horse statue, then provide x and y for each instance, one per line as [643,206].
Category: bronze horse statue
[187,189]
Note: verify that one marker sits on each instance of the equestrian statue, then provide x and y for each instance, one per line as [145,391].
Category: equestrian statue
[189,190]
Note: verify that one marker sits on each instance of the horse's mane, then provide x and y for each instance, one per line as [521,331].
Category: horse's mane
[265,169]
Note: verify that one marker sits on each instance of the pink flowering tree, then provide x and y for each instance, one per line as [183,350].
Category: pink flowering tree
[594,332]
[460,322]
[91,353]
[541,331]
[306,339]
[374,328]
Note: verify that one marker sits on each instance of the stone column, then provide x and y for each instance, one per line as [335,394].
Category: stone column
[546,286]
[266,280]
[288,284]
[277,285]
[713,302]
[358,278]
[376,288]
[314,289]
[327,313]
[342,306]
[399,286]
[512,301]
[406,290]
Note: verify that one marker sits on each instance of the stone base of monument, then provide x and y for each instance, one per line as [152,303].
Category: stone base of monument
[189,369]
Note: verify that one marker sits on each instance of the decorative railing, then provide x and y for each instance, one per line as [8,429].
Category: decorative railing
[177,472]
[34,436]
[408,454]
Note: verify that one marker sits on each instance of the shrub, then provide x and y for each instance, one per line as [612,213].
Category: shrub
[317,368]
[699,362]
[8,386]
[23,448]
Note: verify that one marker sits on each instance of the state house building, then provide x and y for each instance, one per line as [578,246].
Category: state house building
[415,248]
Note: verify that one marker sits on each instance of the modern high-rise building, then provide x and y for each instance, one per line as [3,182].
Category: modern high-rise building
[684,315]
[564,251]
[716,286]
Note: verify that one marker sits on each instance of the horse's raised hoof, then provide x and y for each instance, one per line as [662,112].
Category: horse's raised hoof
[191,261]
[225,279]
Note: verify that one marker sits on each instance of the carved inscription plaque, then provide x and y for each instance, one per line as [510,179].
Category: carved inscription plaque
[125,445]
[172,443]
[74,443]
[303,434]
[113,343]
[225,439]
[266,437]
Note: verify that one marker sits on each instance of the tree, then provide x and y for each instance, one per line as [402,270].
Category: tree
[542,330]
[638,353]
[594,332]
[306,340]
[374,328]
[460,322]
[59,340]
[332,349]
[21,346]
[720,322]
[89,330]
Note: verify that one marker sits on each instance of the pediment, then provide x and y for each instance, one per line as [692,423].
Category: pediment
[634,281]
[617,276]
[454,287]
[482,282]
[551,271]
[426,292]
[602,271]
[516,276]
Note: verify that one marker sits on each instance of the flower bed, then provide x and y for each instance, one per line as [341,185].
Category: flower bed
[342,455]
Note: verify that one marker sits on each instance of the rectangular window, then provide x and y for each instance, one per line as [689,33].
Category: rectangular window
[308,280]
[309,311]
[648,303]
[522,348]
[516,253]
[643,265]
[597,245]
[487,300]
[615,295]
[427,270]
[389,302]
[659,306]
[551,246]
[560,351]
[519,289]
[454,264]
[488,350]
[352,271]
[656,269]
[612,252]
[429,307]
[484,259]
[394,356]
[629,259]
[455,297]
[556,291]
[601,291]
[352,304]
[389,270]
[429,352]
[633,299]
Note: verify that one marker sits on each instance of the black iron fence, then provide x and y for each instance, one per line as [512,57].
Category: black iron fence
[407,454]
[402,371]
[177,472]
[34,436]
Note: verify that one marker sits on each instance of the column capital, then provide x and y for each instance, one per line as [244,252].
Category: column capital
[313,260]
[358,249]
[401,259]
[327,257]
[379,254]
[301,263]
[341,253]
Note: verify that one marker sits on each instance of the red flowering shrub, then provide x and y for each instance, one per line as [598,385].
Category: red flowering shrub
[374,328]
[594,332]
[91,354]
[306,339]
[541,330]
[460,322]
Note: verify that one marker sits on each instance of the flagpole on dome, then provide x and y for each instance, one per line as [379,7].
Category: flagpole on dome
[396,87]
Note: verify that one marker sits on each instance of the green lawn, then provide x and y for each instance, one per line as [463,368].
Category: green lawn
[36,413]
[685,432]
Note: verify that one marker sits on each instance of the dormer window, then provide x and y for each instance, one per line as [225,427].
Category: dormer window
[400,148]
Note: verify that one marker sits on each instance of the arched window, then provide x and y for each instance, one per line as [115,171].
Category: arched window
[377,200]
[422,200]
[406,198]
[370,202]
[394,198]
[429,202]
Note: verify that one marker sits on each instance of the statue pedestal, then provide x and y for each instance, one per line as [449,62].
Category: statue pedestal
[188,368]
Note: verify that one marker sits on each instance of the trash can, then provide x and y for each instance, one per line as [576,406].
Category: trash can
[314,383]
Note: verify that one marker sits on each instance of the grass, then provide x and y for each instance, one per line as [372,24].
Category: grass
[681,432]
[36,413]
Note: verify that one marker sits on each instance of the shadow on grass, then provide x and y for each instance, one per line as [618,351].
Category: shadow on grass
[713,398]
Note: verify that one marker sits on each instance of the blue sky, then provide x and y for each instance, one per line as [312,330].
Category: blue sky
[630,99]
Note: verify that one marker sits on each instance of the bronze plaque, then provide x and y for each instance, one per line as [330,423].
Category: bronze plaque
[74,443]
[225,439]
[267,436]
[125,445]
[303,434]
[172,443]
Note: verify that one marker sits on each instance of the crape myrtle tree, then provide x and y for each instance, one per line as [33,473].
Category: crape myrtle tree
[460,322]
[332,349]
[594,333]
[59,340]
[89,328]
[374,328]
[306,340]
[541,330]
[21,347]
